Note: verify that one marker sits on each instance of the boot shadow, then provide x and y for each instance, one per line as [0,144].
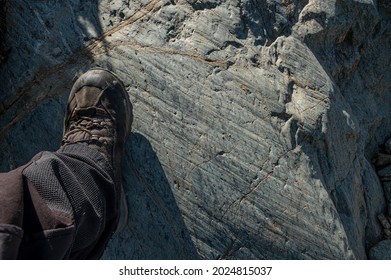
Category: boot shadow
[155,228]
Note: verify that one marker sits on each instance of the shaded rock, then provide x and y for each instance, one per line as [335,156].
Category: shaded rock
[385,173]
[255,121]
[387,193]
[381,251]
[382,159]
[384,221]
[3,29]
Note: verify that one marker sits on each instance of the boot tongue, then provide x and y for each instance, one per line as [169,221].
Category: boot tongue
[88,97]
[86,112]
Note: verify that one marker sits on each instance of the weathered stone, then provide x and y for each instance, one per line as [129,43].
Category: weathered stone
[384,221]
[387,232]
[387,194]
[381,251]
[387,146]
[255,121]
[56,52]
[385,173]
[3,30]
[382,159]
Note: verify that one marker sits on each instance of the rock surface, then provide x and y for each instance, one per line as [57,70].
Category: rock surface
[255,120]
[381,251]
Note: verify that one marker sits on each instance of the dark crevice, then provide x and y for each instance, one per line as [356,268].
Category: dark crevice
[281,115]
[204,5]
[232,43]
[221,153]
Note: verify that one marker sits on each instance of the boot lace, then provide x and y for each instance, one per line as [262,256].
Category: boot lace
[91,125]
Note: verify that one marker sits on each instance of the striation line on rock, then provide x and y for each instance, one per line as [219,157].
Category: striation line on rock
[169,51]
[253,186]
[151,7]
[76,58]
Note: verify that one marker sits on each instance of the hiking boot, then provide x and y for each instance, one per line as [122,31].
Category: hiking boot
[99,114]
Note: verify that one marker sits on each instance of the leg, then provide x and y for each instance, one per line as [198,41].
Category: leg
[67,204]
[11,213]
[71,200]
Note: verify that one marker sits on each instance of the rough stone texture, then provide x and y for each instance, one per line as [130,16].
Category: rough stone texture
[255,120]
[381,251]
[3,30]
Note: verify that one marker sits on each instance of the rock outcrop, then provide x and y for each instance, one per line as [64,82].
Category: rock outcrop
[256,121]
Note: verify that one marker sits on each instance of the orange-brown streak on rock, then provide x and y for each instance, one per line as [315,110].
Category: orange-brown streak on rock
[82,56]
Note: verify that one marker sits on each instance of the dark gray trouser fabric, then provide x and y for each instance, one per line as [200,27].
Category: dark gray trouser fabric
[60,205]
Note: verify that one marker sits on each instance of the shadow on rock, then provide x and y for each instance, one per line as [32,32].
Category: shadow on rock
[347,46]
[42,45]
[155,229]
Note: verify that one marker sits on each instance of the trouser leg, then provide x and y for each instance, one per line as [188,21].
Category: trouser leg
[11,213]
[70,205]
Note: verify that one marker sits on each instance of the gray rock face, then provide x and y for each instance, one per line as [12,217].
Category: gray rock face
[255,120]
